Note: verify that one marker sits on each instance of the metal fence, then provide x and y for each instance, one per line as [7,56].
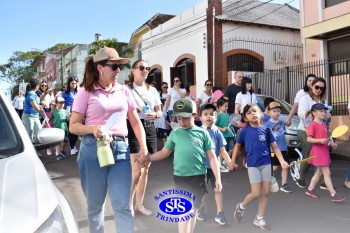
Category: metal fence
[286,82]
[274,54]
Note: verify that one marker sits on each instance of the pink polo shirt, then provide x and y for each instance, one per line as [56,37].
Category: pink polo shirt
[98,105]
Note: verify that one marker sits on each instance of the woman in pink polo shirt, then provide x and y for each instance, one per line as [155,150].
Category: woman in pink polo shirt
[99,97]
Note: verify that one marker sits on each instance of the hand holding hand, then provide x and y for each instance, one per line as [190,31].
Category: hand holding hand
[285,165]
[233,166]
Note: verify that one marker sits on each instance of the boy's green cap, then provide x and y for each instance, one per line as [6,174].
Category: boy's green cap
[183,108]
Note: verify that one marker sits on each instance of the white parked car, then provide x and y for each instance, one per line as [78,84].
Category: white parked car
[29,201]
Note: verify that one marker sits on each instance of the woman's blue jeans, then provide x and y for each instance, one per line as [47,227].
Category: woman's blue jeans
[95,182]
[32,124]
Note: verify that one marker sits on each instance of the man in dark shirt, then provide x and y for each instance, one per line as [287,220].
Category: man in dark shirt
[232,90]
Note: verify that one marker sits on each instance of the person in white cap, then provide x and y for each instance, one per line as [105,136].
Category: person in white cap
[98,98]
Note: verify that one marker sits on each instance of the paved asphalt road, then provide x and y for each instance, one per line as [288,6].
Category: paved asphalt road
[286,213]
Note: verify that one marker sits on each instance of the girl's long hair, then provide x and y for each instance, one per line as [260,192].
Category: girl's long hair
[323,95]
[132,77]
[91,74]
[246,80]
[31,86]
[40,86]
[71,79]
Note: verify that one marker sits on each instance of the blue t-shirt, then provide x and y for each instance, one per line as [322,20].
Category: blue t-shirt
[69,98]
[218,141]
[28,108]
[278,129]
[265,119]
[255,144]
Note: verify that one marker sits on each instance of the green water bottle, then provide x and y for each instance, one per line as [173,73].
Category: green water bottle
[104,152]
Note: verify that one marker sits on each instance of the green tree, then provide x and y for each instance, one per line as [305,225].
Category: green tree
[58,47]
[121,47]
[19,67]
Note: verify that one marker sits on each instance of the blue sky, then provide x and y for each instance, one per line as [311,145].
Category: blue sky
[42,24]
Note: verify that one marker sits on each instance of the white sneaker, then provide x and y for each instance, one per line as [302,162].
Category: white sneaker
[48,152]
[73,151]
[224,169]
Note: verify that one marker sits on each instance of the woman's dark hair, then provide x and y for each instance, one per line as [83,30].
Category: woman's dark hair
[246,109]
[246,80]
[323,95]
[131,75]
[40,86]
[181,85]
[306,88]
[187,89]
[205,83]
[220,102]
[91,74]
[267,101]
[71,79]
[33,83]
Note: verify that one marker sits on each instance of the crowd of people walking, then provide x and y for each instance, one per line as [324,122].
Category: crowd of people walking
[200,153]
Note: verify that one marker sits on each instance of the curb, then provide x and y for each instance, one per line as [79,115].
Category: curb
[340,157]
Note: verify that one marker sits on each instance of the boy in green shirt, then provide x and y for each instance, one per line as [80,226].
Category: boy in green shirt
[59,116]
[191,144]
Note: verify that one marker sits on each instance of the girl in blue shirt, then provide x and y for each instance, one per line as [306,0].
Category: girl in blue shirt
[31,111]
[254,137]
[68,96]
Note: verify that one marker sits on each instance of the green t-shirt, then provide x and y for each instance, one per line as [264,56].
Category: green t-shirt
[190,147]
[59,119]
[223,121]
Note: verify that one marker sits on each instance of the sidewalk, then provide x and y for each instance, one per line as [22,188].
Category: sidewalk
[342,152]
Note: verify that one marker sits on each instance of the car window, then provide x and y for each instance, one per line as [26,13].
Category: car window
[10,142]
[285,106]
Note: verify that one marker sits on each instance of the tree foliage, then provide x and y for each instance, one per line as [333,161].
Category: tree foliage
[19,67]
[120,47]
[58,47]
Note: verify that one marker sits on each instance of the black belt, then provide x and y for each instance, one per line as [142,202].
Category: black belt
[119,138]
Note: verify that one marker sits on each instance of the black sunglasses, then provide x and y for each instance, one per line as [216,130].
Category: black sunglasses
[176,80]
[115,66]
[319,88]
[209,84]
[165,87]
[142,68]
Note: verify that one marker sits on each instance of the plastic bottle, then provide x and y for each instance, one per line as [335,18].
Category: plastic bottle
[104,152]
[146,109]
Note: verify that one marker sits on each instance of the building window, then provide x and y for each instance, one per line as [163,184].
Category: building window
[329,3]
[244,62]
[339,55]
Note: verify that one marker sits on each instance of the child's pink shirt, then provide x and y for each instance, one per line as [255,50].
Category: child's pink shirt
[98,105]
[318,130]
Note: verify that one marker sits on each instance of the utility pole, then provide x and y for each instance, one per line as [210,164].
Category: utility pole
[62,67]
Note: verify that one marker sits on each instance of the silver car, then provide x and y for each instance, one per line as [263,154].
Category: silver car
[291,133]
[29,201]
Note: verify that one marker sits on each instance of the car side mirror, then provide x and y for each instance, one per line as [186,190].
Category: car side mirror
[49,137]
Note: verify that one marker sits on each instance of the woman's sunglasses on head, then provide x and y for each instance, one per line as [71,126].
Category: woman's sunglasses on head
[115,66]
